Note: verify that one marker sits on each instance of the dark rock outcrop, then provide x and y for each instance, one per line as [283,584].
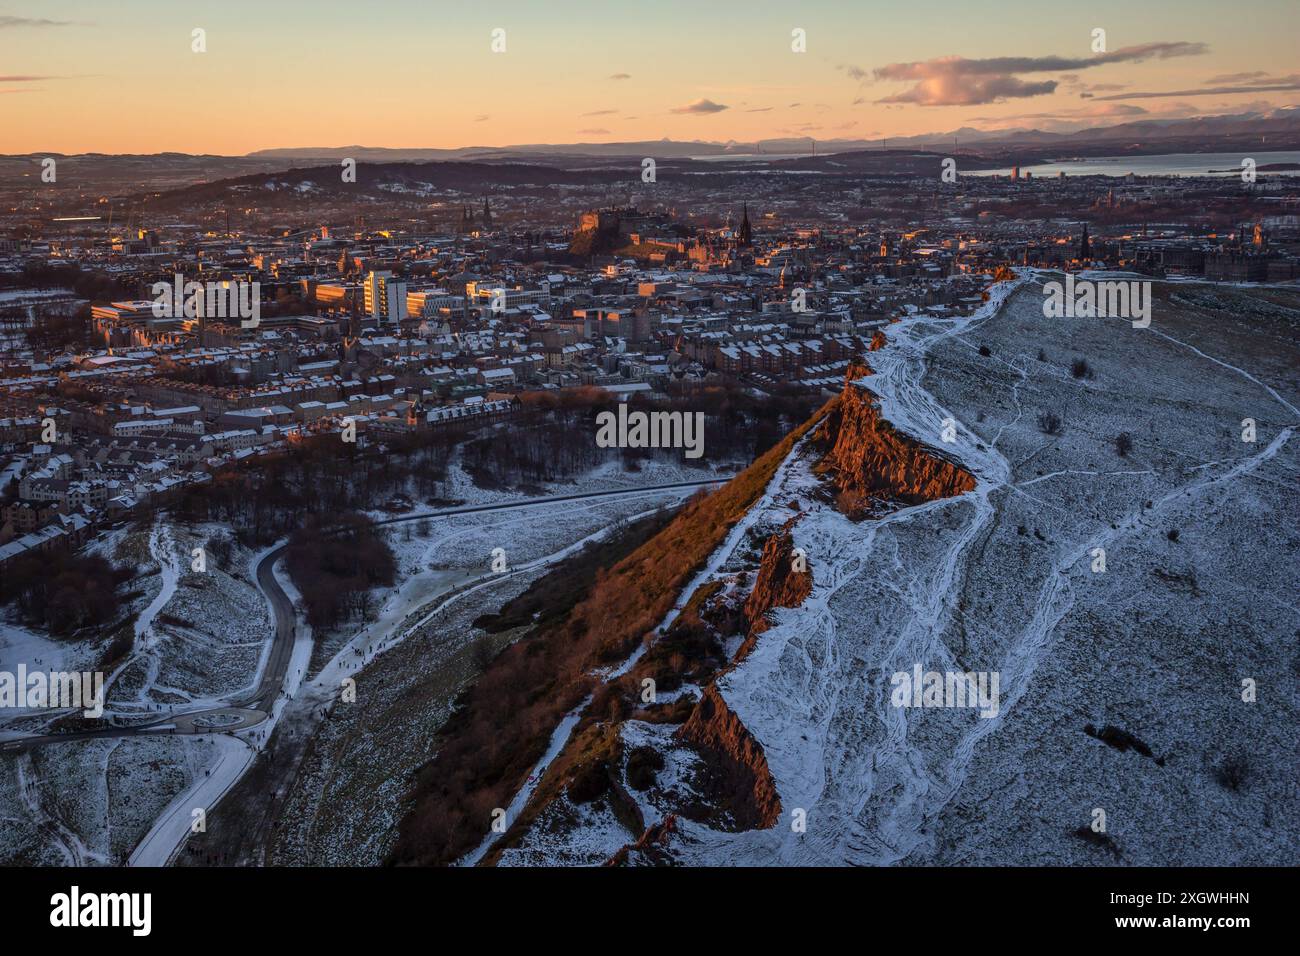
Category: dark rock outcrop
[779,584]
[740,772]
[1122,740]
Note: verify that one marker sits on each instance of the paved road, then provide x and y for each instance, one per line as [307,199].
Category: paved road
[255,707]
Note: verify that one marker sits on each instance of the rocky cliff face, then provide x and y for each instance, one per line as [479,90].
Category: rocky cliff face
[784,580]
[872,464]
[650,850]
[742,781]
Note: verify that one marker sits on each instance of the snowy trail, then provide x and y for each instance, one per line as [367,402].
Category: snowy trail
[162,548]
[899,369]
[1232,368]
[165,555]
[173,825]
[898,830]
[558,739]
[926,792]
[74,851]
[804,645]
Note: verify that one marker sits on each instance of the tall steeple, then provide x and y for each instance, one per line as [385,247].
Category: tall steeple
[487,214]
[1085,248]
[746,235]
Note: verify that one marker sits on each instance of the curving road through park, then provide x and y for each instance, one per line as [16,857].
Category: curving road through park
[254,707]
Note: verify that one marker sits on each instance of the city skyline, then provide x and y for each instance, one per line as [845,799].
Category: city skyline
[79,78]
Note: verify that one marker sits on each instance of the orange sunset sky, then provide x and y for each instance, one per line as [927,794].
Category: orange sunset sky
[122,77]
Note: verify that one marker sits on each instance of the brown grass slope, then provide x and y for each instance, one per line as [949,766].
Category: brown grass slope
[503,723]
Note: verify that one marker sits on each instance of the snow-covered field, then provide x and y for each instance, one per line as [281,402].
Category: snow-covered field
[199,640]
[1197,596]
[90,802]
[198,637]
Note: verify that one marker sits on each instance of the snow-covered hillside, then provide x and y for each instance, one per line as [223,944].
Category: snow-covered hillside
[1137,609]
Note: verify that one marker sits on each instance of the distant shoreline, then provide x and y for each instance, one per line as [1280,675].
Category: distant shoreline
[1286,162]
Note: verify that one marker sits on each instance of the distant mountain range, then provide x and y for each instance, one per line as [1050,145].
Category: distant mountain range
[1276,129]
[297,174]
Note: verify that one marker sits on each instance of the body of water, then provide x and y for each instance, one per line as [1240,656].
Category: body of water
[1167,164]
[753,157]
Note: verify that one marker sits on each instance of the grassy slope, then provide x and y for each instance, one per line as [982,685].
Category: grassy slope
[504,722]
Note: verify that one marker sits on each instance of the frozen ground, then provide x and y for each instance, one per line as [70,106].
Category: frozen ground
[569,834]
[198,638]
[346,800]
[90,802]
[1000,580]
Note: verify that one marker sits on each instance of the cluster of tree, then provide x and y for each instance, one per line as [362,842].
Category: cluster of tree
[55,331]
[266,500]
[87,284]
[63,592]
[555,437]
[534,452]
[334,565]
[221,547]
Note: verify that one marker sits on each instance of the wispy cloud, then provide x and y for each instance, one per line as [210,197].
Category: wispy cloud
[1071,83]
[1095,114]
[9,23]
[1289,85]
[601,113]
[620,76]
[1236,77]
[596,131]
[958,81]
[700,106]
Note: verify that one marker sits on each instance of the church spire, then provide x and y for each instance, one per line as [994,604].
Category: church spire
[745,237]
